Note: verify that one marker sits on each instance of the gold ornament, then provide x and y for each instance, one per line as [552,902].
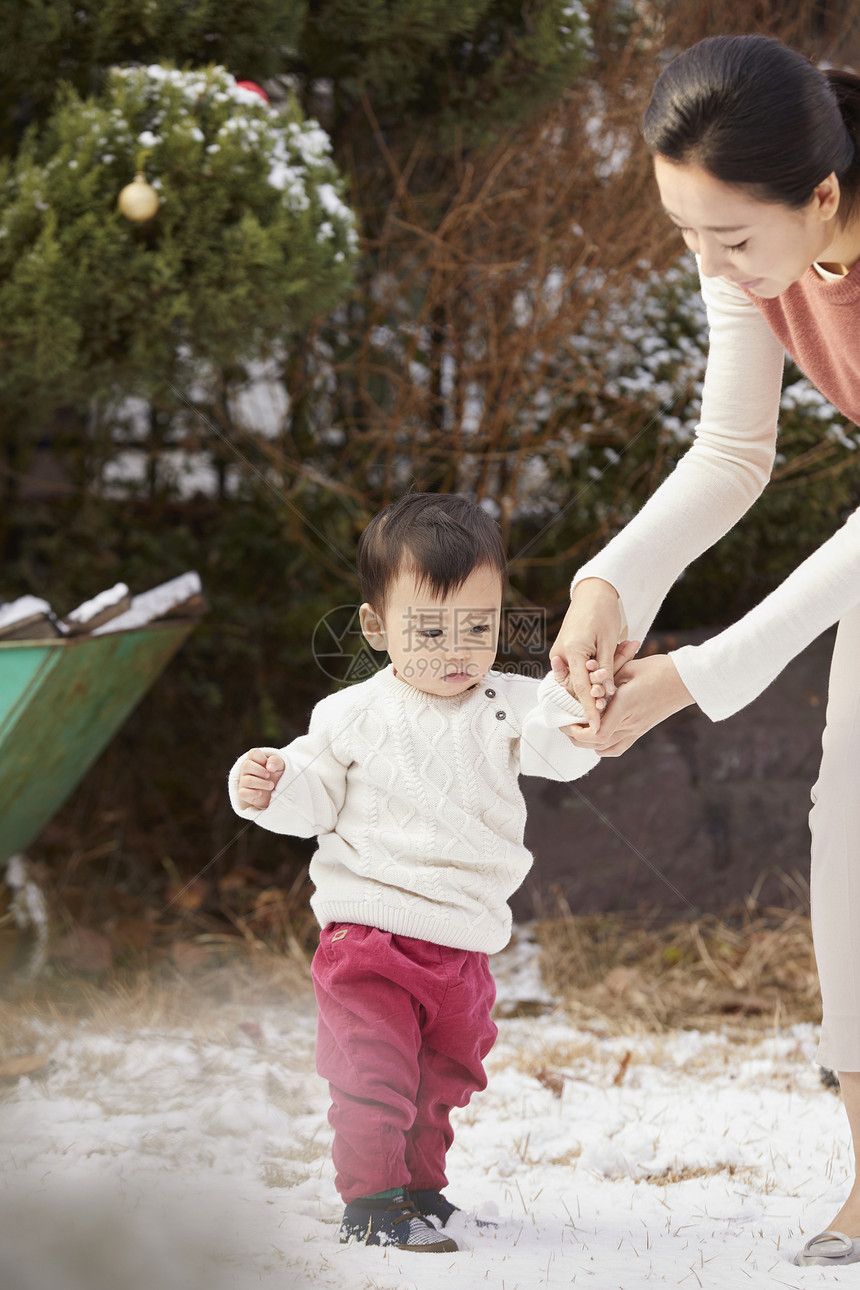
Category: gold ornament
[138,201]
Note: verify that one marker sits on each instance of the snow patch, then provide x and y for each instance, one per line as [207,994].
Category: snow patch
[155,603]
[104,600]
[25,607]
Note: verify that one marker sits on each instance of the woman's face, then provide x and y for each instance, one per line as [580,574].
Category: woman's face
[763,246]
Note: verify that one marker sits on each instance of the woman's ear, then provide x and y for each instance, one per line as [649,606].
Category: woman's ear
[372,627]
[827,195]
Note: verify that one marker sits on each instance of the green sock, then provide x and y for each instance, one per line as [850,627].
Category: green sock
[385,1195]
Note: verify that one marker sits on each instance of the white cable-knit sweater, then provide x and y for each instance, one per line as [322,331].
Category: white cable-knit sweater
[416,803]
[713,484]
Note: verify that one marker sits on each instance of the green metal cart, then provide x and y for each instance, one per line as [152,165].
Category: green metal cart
[61,702]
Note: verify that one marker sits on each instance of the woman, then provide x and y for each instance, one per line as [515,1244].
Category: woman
[757,159]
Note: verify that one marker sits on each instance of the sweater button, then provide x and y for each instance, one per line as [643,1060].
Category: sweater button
[491,694]
[500,716]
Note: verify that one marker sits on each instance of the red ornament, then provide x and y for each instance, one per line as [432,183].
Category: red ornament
[255,89]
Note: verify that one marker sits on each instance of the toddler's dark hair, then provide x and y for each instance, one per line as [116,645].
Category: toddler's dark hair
[440,537]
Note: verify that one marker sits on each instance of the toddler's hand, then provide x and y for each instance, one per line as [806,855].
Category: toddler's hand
[602,680]
[602,684]
[259,778]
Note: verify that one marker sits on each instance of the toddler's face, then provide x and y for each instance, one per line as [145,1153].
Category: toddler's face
[439,646]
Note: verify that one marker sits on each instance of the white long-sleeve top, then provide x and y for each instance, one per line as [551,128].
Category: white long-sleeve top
[415,800]
[712,486]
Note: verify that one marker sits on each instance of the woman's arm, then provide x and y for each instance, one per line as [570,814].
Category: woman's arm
[714,483]
[720,476]
[731,669]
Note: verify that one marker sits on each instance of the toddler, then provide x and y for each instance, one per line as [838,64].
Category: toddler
[409,781]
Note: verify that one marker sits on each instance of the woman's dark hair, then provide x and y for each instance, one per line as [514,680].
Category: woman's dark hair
[754,113]
[440,537]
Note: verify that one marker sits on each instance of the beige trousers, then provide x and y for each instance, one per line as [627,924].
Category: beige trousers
[835,876]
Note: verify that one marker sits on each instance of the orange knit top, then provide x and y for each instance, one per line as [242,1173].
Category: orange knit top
[818,323]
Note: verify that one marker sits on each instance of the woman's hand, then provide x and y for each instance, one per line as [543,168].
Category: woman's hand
[647,691]
[590,631]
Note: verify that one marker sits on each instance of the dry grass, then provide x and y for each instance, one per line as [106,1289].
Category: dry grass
[746,970]
[685,1173]
[156,999]
[751,968]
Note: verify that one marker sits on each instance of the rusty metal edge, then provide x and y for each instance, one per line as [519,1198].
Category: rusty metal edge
[66,642]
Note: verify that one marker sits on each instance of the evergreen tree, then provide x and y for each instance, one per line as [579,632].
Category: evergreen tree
[47,43]
[471,65]
[251,238]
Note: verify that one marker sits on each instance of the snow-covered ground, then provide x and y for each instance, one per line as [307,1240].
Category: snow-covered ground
[177,1158]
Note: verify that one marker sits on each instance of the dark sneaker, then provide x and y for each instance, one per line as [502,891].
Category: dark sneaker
[432,1204]
[395,1222]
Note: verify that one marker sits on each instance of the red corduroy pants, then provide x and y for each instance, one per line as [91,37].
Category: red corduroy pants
[404,1026]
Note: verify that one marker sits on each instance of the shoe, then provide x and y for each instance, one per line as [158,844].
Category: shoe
[395,1222]
[432,1204]
[829,1249]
